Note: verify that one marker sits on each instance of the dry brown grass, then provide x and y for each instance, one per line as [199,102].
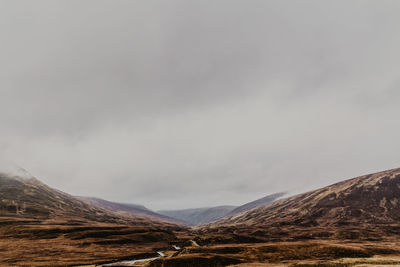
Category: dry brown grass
[56,244]
[38,244]
[304,253]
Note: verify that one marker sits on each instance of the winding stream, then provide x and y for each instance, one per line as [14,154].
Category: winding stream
[131,262]
[127,263]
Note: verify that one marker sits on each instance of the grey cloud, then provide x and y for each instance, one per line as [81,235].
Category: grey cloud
[191,103]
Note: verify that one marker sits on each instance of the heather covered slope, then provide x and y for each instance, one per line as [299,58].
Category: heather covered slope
[30,198]
[366,207]
[351,223]
[256,203]
[125,209]
[41,226]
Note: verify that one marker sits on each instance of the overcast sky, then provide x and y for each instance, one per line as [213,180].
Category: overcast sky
[178,104]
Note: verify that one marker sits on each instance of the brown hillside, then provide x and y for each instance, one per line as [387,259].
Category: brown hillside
[41,226]
[366,207]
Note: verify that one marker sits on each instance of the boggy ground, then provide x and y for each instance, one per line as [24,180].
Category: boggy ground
[57,243]
[52,243]
[297,253]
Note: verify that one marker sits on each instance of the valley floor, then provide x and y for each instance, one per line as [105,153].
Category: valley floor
[37,243]
[33,243]
[307,253]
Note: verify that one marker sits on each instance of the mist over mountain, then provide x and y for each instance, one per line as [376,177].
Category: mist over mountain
[256,203]
[198,215]
[205,102]
[126,209]
[167,133]
[28,198]
[35,217]
[207,215]
[365,207]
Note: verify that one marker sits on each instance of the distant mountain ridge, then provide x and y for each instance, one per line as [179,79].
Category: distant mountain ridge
[128,209]
[256,203]
[198,215]
[210,214]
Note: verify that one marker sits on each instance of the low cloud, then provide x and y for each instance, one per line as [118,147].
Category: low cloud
[186,103]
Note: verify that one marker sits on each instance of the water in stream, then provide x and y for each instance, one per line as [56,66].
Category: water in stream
[127,263]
